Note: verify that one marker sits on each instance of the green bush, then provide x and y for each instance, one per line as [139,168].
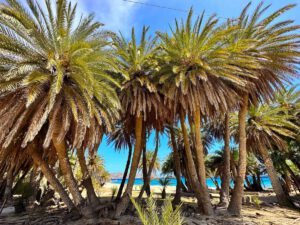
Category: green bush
[150,215]
[256,201]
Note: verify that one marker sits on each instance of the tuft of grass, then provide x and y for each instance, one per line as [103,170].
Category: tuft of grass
[256,201]
[150,215]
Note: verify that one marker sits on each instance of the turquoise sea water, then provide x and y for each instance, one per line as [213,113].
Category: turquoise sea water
[265,181]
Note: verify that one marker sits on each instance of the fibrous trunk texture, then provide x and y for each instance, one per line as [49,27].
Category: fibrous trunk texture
[282,197]
[207,207]
[191,168]
[66,170]
[86,178]
[235,205]
[225,178]
[54,182]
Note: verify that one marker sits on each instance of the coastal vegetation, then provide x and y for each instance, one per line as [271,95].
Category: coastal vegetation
[67,85]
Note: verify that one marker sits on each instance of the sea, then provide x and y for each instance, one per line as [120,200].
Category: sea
[265,181]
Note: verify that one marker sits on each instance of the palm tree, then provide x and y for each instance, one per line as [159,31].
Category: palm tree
[266,127]
[122,138]
[176,142]
[164,182]
[141,102]
[97,170]
[149,158]
[276,48]
[285,168]
[54,73]
[255,168]
[198,66]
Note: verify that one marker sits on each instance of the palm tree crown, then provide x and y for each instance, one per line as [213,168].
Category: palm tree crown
[54,72]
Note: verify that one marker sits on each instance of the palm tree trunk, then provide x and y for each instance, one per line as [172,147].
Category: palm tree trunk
[177,168]
[258,180]
[185,173]
[288,181]
[147,182]
[282,197]
[86,179]
[66,170]
[225,178]
[191,169]
[201,164]
[235,205]
[121,207]
[54,182]
[120,191]
[233,168]
[145,169]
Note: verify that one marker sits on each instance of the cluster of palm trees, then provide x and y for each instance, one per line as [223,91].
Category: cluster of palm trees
[272,135]
[64,85]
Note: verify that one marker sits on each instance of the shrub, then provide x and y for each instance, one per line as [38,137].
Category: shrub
[149,215]
[256,201]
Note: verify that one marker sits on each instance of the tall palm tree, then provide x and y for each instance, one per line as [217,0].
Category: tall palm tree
[266,127]
[276,48]
[141,102]
[198,66]
[286,169]
[53,72]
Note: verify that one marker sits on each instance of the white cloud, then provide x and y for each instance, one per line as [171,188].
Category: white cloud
[117,15]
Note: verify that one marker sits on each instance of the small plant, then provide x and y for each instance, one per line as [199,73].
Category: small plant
[164,182]
[149,215]
[256,201]
[114,190]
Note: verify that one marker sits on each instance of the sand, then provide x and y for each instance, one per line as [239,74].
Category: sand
[265,213]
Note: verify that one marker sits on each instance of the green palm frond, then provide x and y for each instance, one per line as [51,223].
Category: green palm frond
[137,64]
[60,67]
[149,215]
[269,125]
[276,47]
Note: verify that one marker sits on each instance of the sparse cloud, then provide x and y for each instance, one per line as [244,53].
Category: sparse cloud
[117,15]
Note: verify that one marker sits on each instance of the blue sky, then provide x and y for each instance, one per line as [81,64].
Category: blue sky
[120,15]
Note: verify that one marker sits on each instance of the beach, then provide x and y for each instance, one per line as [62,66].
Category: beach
[267,212]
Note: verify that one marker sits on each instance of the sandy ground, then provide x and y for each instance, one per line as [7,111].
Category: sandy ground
[267,212]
